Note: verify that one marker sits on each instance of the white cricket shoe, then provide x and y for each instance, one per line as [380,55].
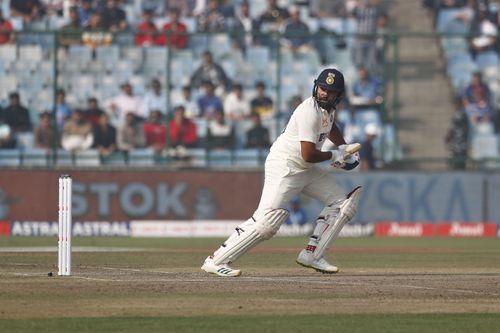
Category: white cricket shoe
[222,270]
[306,259]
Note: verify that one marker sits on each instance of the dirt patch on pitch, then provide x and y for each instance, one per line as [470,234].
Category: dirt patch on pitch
[106,291]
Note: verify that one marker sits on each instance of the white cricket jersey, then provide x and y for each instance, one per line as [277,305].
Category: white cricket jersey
[309,123]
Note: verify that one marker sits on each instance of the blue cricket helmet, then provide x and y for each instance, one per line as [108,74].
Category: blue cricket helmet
[332,80]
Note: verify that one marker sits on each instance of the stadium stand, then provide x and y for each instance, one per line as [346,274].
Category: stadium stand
[35,65]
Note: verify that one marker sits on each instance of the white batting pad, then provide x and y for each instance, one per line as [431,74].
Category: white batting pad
[249,234]
[332,220]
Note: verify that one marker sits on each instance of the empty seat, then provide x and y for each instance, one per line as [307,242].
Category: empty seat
[197,157]
[88,157]
[487,59]
[201,127]
[220,157]
[116,158]
[10,157]
[484,146]
[25,139]
[141,157]
[8,53]
[247,158]
[258,56]
[62,158]
[35,157]
[80,54]
[32,53]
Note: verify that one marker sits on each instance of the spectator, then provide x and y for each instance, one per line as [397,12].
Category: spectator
[261,103]
[7,140]
[45,134]
[210,71]
[147,33]
[113,17]
[486,31]
[93,111]
[209,103]
[366,88]
[131,134]
[211,19]
[16,115]
[258,135]
[70,33]
[156,132]
[365,48]
[155,99]
[30,11]
[382,31]
[85,12]
[235,106]
[61,110]
[367,152]
[476,84]
[457,137]
[186,100]
[182,130]
[104,136]
[270,21]
[329,40]
[77,133]
[297,214]
[220,134]
[272,17]
[296,35]
[174,32]
[480,110]
[93,35]
[6,30]
[124,103]
[244,27]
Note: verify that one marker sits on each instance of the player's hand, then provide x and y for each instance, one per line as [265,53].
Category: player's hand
[341,161]
[351,162]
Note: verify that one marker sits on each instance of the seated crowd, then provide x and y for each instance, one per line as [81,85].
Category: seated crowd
[213,110]
[129,121]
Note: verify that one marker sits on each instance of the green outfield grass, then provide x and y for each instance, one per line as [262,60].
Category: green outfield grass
[155,285]
[386,323]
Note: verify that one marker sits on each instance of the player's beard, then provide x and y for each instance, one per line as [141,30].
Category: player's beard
[326,103]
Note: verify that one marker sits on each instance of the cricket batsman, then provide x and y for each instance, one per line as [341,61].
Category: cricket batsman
[289,170]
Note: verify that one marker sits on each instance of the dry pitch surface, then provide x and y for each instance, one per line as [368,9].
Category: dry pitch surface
[161,277]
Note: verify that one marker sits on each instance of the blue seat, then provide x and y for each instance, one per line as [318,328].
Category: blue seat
[89,157]
[117,158]
[487,59]
[484,146]
[445,19]
[10,157]
[220,157]
[141,157]
[35,157]
[197,157]
[248,158]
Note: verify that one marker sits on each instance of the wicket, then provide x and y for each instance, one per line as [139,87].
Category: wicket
[64,254]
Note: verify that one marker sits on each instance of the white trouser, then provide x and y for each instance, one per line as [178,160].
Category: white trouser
[284,180]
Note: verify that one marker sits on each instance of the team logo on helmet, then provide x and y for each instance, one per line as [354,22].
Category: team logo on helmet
[330,78]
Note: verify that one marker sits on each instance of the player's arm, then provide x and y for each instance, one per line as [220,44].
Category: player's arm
[311,154]
[336,136]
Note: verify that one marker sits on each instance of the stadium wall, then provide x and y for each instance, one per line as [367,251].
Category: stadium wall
[193,203]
